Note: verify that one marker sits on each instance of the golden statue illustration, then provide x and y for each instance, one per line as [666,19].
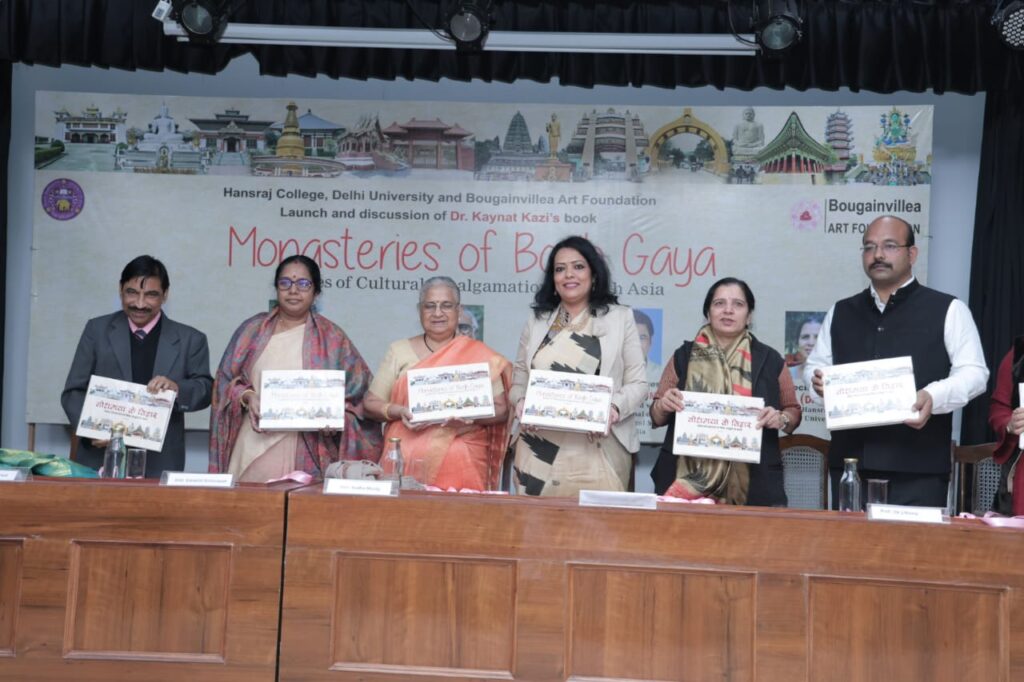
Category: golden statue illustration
[554,129]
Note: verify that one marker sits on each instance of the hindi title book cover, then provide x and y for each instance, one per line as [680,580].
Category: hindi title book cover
[872,393]
[718,426]
[111,401]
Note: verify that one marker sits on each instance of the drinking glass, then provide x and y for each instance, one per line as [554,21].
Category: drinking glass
[878,491]
[136,463]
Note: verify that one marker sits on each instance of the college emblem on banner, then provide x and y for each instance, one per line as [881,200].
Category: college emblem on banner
[63,199]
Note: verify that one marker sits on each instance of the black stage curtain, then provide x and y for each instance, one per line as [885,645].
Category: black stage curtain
[891,46]
[5,145]
[997,259]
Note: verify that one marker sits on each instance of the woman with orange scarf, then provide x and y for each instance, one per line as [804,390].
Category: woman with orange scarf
[458,453]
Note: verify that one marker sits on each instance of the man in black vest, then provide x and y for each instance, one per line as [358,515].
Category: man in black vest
[897,316]
[142,345]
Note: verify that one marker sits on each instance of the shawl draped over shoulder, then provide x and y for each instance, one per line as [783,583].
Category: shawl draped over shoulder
[324,346]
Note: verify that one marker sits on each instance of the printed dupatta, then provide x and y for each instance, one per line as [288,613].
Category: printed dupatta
[712,369]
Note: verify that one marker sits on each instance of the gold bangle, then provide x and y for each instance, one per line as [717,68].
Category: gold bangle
[387,411]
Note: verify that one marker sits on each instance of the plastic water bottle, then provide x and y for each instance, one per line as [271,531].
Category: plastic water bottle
[116,455]
[849,486]
[392,463]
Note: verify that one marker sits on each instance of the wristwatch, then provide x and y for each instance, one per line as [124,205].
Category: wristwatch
[785,421]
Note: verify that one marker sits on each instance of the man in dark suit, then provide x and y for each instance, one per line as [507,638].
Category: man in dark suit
[142,345]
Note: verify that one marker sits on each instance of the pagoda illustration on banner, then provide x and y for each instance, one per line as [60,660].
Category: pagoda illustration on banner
[795,157]
[839,136]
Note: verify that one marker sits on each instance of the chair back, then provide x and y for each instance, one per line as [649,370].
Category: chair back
[986,483]
[805,471]
[977,470]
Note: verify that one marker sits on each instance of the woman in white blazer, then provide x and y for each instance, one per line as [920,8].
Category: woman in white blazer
[578,326]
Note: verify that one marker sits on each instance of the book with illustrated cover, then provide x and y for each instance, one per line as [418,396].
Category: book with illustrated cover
[872,393]
[302,399]
[456,391]
[718,426]
[111,401]
[567,401]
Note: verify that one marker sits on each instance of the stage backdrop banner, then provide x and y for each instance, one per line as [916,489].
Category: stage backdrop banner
[386,194]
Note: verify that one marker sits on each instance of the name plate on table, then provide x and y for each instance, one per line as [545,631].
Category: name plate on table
[718,427]
[898,512]
[873,393]
[567,402]
[457,391]
[187,480]
[605,498]
[360,486]
[15,475]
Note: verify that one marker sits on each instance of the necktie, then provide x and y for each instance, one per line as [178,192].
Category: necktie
[140,334]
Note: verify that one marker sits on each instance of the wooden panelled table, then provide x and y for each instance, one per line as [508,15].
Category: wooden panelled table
[127,580]
[463,587]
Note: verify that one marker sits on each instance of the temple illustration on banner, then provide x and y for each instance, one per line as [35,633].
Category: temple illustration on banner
[729,145]
[839,136]
[894,155]
[319,136]
[517,159]
[82,141]
[364,148]
[162,148]
[229,137]
[794,156]
[609,144]
[295,153]
[433,145]
[90,126]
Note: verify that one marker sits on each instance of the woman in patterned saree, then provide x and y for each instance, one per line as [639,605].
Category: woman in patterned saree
[292,336]
[726,358]
[578,326]
[457,453]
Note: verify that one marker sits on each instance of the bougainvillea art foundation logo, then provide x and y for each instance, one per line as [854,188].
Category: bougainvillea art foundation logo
[805,215]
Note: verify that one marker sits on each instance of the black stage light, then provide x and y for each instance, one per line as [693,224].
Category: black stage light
[468,22]
[203,20]
[1009,21]
[780,30]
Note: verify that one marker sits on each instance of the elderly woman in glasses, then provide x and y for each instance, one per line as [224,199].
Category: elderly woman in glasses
[292,336]
[456,454]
